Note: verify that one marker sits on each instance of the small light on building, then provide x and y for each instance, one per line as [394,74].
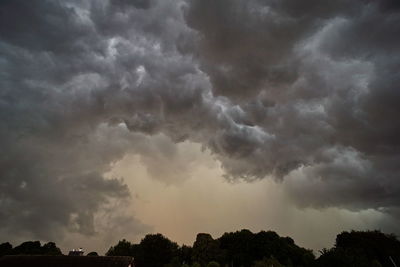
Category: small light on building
[75,252]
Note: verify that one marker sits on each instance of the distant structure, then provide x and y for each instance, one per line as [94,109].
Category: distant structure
[65,261]
[76,252]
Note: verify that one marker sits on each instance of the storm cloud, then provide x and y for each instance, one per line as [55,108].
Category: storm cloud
[295,91]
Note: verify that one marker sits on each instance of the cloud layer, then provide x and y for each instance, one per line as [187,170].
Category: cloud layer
[298,91]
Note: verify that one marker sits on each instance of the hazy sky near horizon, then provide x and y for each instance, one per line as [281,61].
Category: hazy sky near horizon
[126,117]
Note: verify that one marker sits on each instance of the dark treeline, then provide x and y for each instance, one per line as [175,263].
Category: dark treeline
[243,249]
[246,249]
[30,248]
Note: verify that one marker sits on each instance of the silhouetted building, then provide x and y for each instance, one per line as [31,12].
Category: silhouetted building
[76,252]
[65,261]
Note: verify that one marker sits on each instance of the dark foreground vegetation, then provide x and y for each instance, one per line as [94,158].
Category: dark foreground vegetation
[243,248]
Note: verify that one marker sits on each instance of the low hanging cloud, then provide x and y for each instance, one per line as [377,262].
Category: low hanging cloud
[295,90]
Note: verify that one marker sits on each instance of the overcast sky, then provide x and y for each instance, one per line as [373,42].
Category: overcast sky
[120,118]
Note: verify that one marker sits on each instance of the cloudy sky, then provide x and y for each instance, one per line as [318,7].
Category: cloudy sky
[120,118]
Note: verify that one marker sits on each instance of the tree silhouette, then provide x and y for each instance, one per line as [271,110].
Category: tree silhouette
[206,249]
[155,250]
[123,248]
[185,254]
[243,248]
[362,248]
[28,248]
[50,248]
[5,249]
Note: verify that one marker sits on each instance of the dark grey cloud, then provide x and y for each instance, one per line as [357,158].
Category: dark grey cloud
[295,90]
[318,84]
[248,45]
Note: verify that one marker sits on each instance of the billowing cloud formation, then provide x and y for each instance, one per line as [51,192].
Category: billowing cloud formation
[294,90]
[319,82]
